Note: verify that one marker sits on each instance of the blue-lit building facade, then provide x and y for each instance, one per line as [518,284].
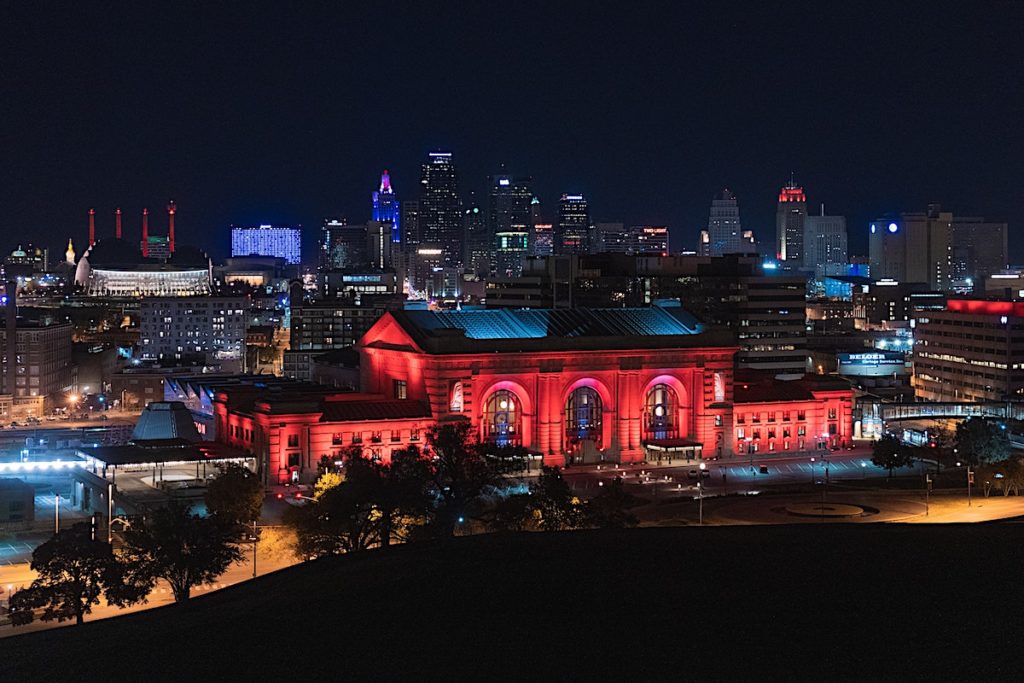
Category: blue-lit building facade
[386,207]
[268,240]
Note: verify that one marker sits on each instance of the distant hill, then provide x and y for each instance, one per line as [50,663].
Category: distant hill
[802,602]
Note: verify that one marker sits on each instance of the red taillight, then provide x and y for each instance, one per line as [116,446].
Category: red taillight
[280,496]
[298,494]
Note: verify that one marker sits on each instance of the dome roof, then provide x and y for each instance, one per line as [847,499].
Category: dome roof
[111,251]
[189,257]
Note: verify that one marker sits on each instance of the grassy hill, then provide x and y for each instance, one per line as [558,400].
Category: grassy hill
[830,602]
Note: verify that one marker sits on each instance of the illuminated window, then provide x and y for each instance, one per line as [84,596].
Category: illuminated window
[831,413]
[660,413]
[501,418]
[401,389]
[583,414]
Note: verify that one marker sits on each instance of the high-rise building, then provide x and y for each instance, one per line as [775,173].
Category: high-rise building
[410,226]
[970,352]
[790,215]
[535,218]
[440,211]
[543,239]
[343,246]
[725,232]
[612,238]
[651,239]
[386,207]
[479,244]
[825,245]
[210,329]
[916,247]
[509,202]
[979,249]
[574,228]
[268,240]
[379,245]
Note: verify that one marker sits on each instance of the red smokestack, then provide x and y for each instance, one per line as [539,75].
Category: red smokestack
[170,221]
[145,233]
[117,228]
[92,227]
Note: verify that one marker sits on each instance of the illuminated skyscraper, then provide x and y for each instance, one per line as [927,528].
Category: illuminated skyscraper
[574,229]
[789,224]
[386,207]
[479,251]
[509,219]
[725,232]
[440,211]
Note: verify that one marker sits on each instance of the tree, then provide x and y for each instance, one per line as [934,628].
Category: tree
[181,548]
[459,476]
[74,572]
[552,498]
[609,509]
[236,495]
[890,453]
[341,520]
[400,494]
[325,482]
[979,441]
[515,513]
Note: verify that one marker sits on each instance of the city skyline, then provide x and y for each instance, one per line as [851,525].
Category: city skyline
[247,156]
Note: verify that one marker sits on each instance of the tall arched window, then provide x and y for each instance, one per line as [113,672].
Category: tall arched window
[660,410]
[583,416]
[502,418]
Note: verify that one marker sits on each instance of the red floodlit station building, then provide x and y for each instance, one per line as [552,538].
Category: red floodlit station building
[570,386]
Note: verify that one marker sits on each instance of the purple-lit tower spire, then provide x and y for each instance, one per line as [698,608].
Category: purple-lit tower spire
[386,208]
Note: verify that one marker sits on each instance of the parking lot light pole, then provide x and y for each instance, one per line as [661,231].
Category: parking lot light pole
[56,513]
[700,494]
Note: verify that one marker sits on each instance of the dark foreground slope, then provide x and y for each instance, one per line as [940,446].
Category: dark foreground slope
[830,602]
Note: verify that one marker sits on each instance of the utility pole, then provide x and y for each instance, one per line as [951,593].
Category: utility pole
[110,514]
[56,513]
[927,491]
[255,542]
[970,480]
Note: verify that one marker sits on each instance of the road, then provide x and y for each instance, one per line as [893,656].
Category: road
[739,474]
[272,555]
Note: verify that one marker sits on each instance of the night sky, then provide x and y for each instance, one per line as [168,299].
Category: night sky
[249,112]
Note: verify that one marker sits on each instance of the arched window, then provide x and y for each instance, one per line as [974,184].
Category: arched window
[501,418]
[583,416]
[660,409]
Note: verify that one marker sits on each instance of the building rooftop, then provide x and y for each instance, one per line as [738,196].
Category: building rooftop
[164,451]
[381,409]
[580,329]
[764,388]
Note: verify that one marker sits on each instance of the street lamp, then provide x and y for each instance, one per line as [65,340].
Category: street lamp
[700,494]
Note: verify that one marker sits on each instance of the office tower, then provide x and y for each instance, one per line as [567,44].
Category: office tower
[479,243]
[268,240]
[651,239]
[724,234]
[970,352]
[612,238]
[916,247]
[410,226]
[979,249]
[825,244]
[789,224]
[543,239]
[509,202]
[343,246]
[386,207]
[535,218]
[440,211]
[379,244]
[574,227]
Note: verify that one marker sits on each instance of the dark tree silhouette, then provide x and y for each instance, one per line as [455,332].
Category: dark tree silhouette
[559,508]
[74,572]
[890,453]
[236,495]
[609,509]
[181,548]
[980,441]
[459,476]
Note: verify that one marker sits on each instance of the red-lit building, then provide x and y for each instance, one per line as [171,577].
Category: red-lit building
[580,385]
